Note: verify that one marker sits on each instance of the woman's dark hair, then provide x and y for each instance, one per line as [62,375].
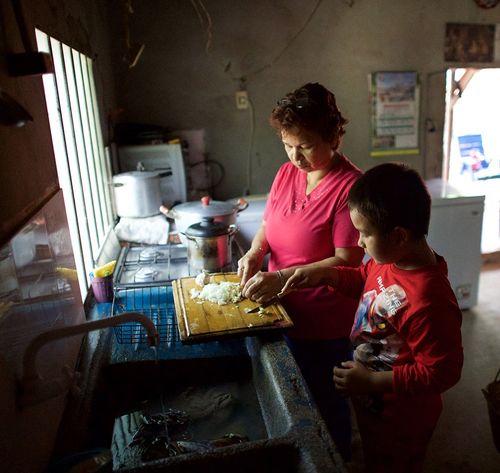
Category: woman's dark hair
[392,195]
[311,107]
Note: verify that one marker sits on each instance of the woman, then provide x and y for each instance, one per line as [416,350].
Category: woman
[306,222]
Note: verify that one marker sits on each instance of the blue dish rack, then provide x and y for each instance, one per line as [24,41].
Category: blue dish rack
[155,302]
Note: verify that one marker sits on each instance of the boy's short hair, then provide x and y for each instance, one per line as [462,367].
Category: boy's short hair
[393,195]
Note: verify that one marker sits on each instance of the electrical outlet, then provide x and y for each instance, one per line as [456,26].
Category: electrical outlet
[241,100]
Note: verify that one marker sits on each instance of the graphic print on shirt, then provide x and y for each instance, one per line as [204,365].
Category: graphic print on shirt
[376,344]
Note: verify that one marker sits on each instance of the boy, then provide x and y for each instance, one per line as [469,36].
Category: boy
[406,334]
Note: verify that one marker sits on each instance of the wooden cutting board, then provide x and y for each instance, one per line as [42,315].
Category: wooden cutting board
[201,321]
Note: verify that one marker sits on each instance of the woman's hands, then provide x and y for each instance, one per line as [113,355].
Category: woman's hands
[249,264]
[262,287]
[252,260]
[257,285]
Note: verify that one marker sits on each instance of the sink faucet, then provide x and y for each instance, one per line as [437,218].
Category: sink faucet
[34,389]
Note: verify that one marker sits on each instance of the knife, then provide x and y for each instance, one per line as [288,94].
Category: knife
[272,301]
[263,306]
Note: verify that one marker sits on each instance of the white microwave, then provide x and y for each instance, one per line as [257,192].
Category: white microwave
[164,158]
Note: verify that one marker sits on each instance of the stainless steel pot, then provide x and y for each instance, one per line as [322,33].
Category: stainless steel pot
[209,245]
[137,193]
[189,213]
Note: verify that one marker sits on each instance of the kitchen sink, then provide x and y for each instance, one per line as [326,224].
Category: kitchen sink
[220,398]
[214,396]
[269,457]
[249,389]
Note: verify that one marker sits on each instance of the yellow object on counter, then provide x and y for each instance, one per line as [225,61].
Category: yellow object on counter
[105,270]
[68,273]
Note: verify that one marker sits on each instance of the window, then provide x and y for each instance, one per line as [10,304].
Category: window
[83,166]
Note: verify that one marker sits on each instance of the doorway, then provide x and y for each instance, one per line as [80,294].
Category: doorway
[472,142]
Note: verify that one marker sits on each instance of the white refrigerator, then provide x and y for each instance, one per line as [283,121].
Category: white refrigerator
[455,234]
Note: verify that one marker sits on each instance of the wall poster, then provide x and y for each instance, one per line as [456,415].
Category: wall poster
[395,111]
[470,42]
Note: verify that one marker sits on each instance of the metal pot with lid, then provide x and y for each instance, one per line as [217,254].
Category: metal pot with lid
[137,193]
[209,245]
[189,213]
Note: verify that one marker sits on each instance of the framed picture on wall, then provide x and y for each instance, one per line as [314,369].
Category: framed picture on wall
[395,112]
[469,42]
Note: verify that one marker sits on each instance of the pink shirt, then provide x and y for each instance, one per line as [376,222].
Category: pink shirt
[302,229]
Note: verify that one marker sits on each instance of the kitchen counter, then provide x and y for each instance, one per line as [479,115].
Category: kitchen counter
[293,437]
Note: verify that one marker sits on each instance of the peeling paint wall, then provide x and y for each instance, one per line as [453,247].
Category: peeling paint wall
[29,177]
[192,64]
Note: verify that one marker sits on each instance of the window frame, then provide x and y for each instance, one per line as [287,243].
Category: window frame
[82,161]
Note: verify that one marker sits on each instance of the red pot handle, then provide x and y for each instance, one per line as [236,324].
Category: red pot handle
[242,204]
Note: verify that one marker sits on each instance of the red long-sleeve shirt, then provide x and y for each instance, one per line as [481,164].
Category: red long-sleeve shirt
[407,321]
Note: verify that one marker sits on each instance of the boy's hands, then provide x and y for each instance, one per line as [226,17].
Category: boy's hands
[310,276]
[351,378]
[354,378]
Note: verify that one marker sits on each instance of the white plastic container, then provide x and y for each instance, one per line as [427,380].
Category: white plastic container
[249,221]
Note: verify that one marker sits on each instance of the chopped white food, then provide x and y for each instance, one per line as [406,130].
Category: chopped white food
[202,279]
[221,293]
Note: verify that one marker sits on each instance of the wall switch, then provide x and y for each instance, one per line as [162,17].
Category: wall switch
[241,100]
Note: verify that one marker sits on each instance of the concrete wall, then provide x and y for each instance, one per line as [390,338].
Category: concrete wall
[187,78]
[28,188]
[190,70]
[183,81]
[28,176]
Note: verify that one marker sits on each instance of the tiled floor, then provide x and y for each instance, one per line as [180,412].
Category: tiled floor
[463,441]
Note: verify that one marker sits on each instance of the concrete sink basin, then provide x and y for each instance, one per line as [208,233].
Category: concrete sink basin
[249,387]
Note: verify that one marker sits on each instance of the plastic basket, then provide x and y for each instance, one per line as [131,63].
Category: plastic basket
[155,302]
[492,395]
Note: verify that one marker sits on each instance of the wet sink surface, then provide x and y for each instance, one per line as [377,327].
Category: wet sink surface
[216,396]
[249,387]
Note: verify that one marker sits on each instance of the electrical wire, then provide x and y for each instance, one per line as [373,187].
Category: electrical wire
[250,104]
[250,147]
[294,37]
[207,164]
[200,8]
[204,17]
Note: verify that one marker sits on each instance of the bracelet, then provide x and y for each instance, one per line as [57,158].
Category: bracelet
[282,279]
